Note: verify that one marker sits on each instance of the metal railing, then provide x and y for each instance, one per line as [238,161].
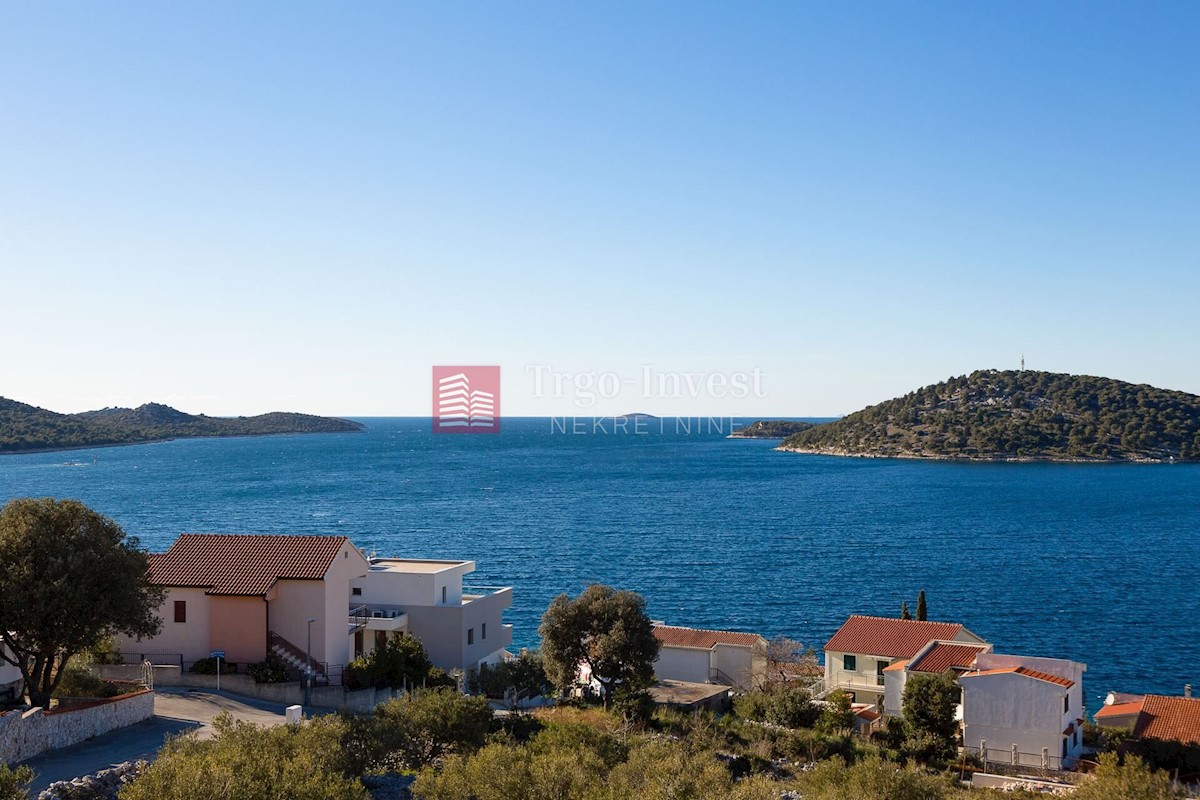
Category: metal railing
[1014,762]
[157,659]
[274,640]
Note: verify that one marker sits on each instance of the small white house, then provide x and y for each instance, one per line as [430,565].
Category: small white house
[696,655]
[11,682]
[1024,711]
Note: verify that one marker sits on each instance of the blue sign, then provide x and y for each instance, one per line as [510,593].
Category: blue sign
[217,654]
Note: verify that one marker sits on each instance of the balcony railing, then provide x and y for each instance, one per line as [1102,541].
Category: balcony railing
[857,680]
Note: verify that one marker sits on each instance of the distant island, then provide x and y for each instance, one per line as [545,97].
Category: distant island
[770,429]
[25,428]
[1018,416]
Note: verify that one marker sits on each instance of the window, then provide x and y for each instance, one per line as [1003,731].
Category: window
[1066,703]
[850,663]
[356,591]
[483,630]
[181,610]
[443,594]
[470,636]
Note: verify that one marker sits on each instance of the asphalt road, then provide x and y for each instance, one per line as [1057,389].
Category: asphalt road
[176,711]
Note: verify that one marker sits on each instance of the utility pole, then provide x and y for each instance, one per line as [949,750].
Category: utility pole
[308,672]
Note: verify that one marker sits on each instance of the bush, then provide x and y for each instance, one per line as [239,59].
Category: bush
[80,682]
[273,670]
[208,666]
[14,783]
[245,762]
[525,675]
[871,778]
[400,663]
[421,728]
[790,707]
[1133,780]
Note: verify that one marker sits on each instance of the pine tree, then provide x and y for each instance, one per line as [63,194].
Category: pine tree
[904,611]
[921,610]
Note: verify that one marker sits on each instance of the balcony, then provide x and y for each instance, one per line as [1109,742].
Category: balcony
[471,594]
[377,619]
[857,681]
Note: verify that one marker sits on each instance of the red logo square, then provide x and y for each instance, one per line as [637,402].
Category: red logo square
[466,399]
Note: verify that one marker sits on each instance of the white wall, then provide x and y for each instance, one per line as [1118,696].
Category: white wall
[743,665]
[190,638]
[683,664]
[1008,708]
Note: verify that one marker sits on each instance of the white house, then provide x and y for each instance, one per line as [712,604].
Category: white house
[461,626]
[860,651]
[696,655]
[933,659]
[1024,710]
[11,682]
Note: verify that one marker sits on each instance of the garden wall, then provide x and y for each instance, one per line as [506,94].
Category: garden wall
[24,733]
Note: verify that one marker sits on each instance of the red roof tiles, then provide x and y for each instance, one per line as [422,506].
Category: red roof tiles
[943,656]
[890,638]
[1120,709]
[1172,718]
[672,636]
[243,564]
[1028,673]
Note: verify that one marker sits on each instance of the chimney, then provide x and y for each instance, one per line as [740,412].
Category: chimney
[1187,690]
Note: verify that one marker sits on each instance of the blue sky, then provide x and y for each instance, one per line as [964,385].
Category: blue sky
[304,206]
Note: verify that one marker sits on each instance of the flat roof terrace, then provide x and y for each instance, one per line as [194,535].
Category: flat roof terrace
[418,566]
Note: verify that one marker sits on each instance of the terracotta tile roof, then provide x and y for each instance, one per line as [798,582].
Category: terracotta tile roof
[896,665]
[1120,709]
[1028,673]
[1172,718]
[673,636]
[890,638]
[243,564]
[943,656]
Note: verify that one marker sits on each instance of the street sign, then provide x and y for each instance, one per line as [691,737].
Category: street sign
[217,654]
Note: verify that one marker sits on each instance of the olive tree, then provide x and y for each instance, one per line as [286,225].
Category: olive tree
[70,578]
[606,629]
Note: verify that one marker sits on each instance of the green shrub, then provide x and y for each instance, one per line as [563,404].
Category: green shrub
[272,670]
[869,779]
[525,675]
[207,666]
[421,728]
[245,762]
[789,707]
[80,682]
[14,783]
[399,663]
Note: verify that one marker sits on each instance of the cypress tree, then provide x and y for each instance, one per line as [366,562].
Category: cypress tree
[904,611]
[921,610]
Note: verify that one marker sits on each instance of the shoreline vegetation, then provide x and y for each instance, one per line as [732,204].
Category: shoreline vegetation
[28,429]
[771,429]
[1018,416]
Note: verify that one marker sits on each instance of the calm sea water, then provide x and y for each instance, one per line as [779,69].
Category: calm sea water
[1095,563]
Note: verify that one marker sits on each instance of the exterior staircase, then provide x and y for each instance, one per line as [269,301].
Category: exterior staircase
[294,657]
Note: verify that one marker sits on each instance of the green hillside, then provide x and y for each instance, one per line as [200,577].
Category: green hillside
[25,428]
[994,415]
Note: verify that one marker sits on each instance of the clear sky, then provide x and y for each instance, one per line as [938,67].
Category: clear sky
[236,208]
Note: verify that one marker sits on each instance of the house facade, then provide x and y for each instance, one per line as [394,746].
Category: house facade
[696,655]
[864,647]
[461,626]
[1023,710]
[247,595]
[934,658]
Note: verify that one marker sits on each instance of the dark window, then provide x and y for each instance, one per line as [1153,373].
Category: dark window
[181,610]
[443,594]
[1066,704]
[357,592]
[850,663]
[483,630]
[470,636]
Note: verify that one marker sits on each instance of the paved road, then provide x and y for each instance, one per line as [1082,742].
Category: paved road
[175,711]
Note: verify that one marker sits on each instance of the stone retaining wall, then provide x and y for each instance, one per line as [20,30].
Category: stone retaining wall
[26,733]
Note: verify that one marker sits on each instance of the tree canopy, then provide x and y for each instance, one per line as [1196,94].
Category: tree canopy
[606,629]
[71,578]
[991,414]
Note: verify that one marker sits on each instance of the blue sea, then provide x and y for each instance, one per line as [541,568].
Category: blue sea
[1098,563]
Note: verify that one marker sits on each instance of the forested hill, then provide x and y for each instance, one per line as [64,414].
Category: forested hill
[24,428]
[994,415]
